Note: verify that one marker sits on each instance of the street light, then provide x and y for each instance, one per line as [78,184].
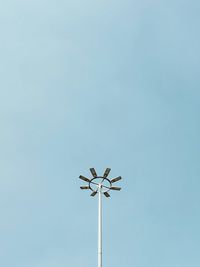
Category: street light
[100,185]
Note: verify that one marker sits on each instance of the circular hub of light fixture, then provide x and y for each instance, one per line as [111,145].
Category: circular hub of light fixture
[100,182]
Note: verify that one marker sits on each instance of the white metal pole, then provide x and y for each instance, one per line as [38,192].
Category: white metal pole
[100,228]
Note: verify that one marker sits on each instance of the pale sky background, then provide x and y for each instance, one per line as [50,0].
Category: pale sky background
[99,84]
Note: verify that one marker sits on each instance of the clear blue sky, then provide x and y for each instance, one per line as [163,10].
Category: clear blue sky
[99,84]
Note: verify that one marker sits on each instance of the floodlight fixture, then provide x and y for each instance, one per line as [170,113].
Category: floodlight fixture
[93,193]
[106,194]
[101,185]
[93,172]
[106,173]
[84,178]
[84,187]
[116,179]
[115,188]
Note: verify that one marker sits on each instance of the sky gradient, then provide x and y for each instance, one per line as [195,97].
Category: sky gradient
[99,84]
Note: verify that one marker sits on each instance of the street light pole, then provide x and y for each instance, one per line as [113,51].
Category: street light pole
[100,229]
[101,185]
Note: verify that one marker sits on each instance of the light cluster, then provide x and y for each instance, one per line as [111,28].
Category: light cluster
[100,183]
